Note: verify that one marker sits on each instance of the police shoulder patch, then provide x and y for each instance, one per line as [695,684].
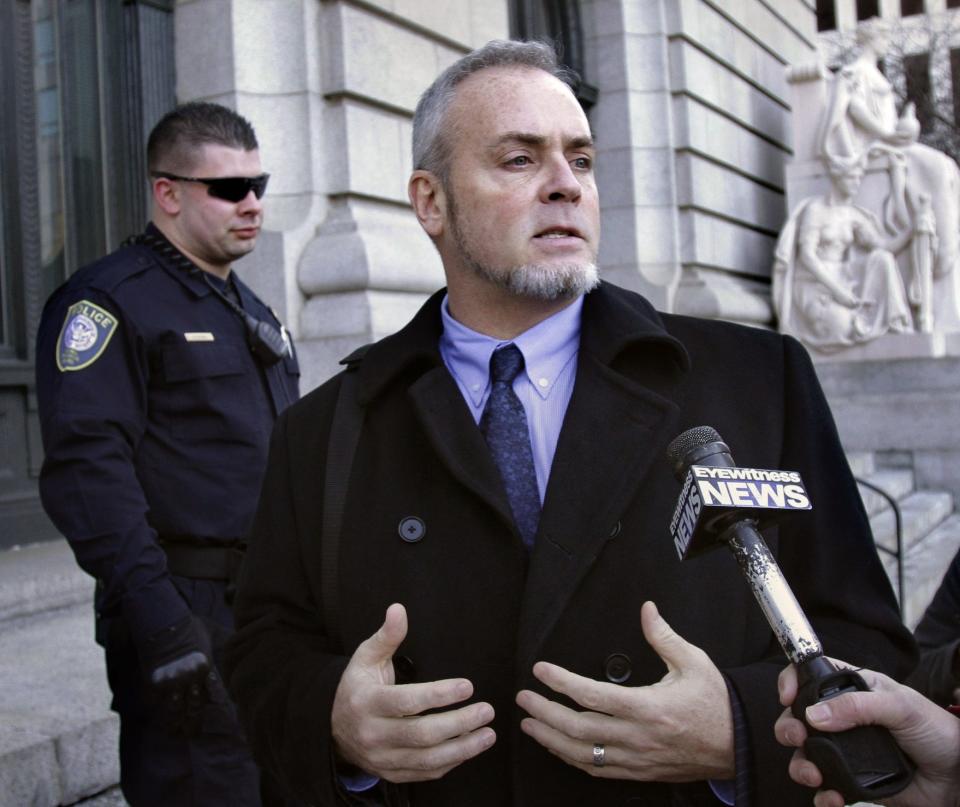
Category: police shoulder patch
[87,330]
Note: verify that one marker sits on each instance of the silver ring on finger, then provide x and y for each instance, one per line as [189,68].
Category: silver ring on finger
[598,755]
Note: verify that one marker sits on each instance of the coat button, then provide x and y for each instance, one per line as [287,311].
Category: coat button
[615,531]
[412,529]
[617,668]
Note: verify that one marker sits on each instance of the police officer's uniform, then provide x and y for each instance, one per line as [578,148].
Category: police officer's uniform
[156,417]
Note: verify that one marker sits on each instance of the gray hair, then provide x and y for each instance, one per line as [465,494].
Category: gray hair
[431,150]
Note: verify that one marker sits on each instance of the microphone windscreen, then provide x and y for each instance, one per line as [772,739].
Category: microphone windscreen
[683,444]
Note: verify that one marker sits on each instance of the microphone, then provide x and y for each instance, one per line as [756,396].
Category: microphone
[721,504]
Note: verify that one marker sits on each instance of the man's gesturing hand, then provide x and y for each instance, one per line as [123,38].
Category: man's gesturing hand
[378,725]
[679,729]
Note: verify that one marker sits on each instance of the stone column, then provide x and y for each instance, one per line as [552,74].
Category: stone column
[330,86]
[628,59]
[368,265]
[260,57]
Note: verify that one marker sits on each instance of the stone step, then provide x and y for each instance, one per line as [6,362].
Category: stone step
[921,511]
[924,567]
[40,577]
[862,463]
[109,798]
[58,737]
[897,482]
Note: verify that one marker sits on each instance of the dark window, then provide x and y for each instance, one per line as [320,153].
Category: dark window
[72,158]
[908,7]
[826,15]
[556,21]
[916,68]
[867,9]
[81,84]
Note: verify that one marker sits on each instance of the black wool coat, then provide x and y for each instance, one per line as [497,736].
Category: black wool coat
[478,607]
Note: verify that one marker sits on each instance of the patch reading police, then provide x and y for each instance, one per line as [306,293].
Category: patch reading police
[86,332]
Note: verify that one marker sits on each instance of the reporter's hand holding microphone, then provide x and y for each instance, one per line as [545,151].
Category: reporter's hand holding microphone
[927,733]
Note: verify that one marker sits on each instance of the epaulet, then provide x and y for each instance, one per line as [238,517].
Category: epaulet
[353,361]
[117,267]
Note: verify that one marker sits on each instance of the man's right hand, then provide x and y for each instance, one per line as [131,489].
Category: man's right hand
[378,726]
[178,671]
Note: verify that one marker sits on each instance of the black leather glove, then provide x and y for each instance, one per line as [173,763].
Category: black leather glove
[178,667]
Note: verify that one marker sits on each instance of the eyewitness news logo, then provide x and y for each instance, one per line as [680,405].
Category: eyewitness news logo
[709,493]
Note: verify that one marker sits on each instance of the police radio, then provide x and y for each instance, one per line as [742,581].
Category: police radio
[266,342]
[721,504]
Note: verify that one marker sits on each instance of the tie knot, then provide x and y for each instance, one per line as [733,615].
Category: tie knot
[505,364]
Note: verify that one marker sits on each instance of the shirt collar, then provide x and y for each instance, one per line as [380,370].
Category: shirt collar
[547,347]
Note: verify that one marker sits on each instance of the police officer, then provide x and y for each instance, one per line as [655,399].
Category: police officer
[159,376]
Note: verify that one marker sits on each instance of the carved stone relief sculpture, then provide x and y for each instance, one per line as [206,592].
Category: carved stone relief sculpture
[836,281]
[846,273]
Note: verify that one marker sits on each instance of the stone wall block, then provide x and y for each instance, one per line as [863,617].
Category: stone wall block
[787,27]
[702,77]
[635,176]
[657,281]
[88,758]
[270,44]
[370,311]
[376,58]
[204,71]
[630,62]
[615,116]
[489,19]
[282,123]
[368,151]
[29,771]
[727,42]
[636,234]
[368,245]
[262,270]
[704,184]
[451,19]
[712,241]
[335,325]
[702,129]
[715,294]
[376,153]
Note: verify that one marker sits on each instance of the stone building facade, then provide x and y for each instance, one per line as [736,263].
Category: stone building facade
[689,106]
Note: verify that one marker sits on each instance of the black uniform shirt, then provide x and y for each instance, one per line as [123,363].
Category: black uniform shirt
[155,418]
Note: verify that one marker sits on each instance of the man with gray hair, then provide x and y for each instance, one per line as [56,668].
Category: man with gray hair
[449,596]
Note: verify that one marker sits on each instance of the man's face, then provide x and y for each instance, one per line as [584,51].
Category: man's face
[214,231]
[522,206]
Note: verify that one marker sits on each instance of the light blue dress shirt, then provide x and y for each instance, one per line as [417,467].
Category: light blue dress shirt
[549,351]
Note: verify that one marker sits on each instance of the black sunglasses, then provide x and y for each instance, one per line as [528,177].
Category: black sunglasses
[231,189]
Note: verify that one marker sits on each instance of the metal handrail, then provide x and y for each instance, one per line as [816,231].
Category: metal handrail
[898,523]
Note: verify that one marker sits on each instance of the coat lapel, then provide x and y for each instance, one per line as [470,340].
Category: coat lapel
[622,414]
[455,437]
[414,352]
[616,427]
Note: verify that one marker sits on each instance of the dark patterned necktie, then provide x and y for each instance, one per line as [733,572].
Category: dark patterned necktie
[504,425]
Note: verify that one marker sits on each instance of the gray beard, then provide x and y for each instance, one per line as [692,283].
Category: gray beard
[533,281]
[538,282]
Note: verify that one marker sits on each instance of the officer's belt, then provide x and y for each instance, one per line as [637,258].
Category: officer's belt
[203,562]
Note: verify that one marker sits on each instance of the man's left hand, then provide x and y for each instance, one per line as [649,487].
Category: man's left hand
[677,730]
